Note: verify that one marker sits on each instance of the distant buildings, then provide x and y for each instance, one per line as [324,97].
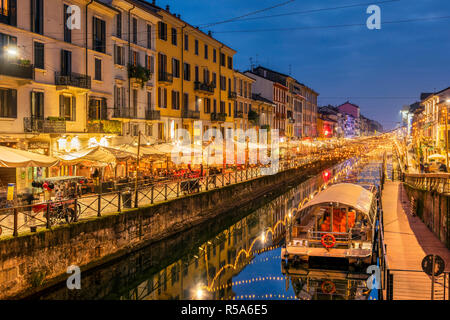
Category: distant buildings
[345,121]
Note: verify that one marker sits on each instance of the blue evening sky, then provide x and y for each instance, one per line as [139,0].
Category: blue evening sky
[380,70]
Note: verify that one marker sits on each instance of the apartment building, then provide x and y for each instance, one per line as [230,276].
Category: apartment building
[195,77]
[134,55]
[309,112]
[55,76]
[242,85]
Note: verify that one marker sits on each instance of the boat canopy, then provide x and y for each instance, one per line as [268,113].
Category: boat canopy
[344,193]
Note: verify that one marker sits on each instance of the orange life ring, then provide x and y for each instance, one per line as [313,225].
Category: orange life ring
[328,287]
[328,240]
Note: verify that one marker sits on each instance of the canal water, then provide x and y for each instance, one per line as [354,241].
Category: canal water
[234,257]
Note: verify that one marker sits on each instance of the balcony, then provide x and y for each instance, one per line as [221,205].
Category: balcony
[73,79]
[191,114]
[139,73]
[291,120]
[218,116]
[18,70]
[232,95]
[152,115]
[165,77]
[238,114]
[121,113]
[207,88]
[40,125]
[104,126]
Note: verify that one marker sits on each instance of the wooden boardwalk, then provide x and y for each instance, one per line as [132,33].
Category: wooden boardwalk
[408,241]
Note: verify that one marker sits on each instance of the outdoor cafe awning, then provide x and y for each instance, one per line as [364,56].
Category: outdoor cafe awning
[15,158]
[99,155]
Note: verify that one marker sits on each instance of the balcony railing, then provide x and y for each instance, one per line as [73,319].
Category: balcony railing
[218,116]
[123,113]
[18,70]
[191,114]
[204,87]
[232,95]
[152,115]
[104,126]
[73,79]
[165,77]
[44,125]
[238,114]
[291,120]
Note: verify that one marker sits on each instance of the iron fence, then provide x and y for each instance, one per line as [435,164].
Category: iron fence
[123,196]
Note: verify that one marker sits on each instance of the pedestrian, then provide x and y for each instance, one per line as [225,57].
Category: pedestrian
[422,168]
[28,200]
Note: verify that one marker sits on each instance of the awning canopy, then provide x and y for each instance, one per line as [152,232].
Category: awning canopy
[16,158]
[348,194]
[99,155]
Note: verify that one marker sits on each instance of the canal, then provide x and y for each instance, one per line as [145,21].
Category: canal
[234,257]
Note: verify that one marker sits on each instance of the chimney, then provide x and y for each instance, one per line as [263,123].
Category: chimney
[167,8]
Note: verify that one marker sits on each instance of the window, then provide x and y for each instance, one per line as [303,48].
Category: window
[229,109]
[162,31]
[196,47]
[162,97]
[174,36]
[149,129]
[161,131]
[67,107]
[119,55]
[222,107]
[149,101]
[187,71]
[135,30]
[66,62]
[214,79]
[135,103]
[119,25]
[214,55]
[222,60]
[149,36]
[207,105]
[230,63]
[196,73]
[223,83]
[197,103]
[8,11]
[135,58]
[37,105]
[8,103]
[39,55]
[215,106]
[186,42]
[67,22]
[37,16]
[119,98]
[175,100]
[162,63]
[206,51]
[186,101]
[205,76]
[99,35]
[97,109]
[150,63]
[175,68]
[98,69]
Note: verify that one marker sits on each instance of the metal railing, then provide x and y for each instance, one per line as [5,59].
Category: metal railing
[125,113]
[165,77]
[25,71]
[232,95]
[218,116]
[191,114]
[73,79]
[123,196]
[31,124]
[152,115]
[204,87]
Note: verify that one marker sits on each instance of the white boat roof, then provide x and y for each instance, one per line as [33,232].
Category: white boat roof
[344,193]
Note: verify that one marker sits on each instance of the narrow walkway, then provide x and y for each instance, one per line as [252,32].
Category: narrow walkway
[408,241]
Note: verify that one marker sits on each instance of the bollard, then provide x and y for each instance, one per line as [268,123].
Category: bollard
[16,213]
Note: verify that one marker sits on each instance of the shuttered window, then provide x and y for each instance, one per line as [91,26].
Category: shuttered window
[99,35]
[98,69]
[8,103]
[37,105]
[37,16]
[39,55]
[67,23]
[67,107]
